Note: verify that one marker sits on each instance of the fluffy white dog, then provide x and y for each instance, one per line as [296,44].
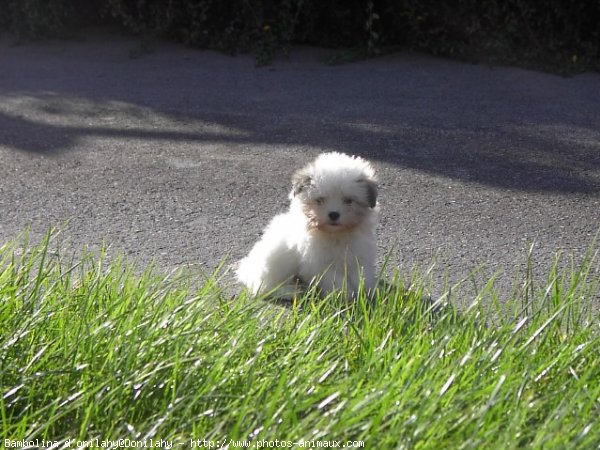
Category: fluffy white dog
[327,237]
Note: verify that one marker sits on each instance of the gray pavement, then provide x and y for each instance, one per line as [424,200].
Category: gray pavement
[182,156]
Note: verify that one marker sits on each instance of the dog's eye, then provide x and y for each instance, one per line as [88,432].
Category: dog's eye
[348,201]
[319,200]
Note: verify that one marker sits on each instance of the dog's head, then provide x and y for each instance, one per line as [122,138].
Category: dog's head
[336,192]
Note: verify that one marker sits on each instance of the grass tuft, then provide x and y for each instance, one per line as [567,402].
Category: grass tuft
[91,349]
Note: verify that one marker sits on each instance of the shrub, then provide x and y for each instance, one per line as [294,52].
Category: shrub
[35,18]
[557,32]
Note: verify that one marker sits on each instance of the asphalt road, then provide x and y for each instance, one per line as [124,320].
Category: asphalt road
[182,156]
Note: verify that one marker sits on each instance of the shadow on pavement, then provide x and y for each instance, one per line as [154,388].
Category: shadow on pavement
[501,128]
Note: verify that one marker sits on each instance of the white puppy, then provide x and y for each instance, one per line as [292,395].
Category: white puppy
[328,235]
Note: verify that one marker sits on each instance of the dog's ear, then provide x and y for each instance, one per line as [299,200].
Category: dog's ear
[371,188]
[301,180]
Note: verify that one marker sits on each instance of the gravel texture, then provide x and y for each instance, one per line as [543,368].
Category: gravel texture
[181,156]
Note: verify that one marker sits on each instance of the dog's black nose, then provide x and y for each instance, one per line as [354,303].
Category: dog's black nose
[334,215]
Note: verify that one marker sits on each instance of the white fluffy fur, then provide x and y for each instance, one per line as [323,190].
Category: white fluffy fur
[311,244]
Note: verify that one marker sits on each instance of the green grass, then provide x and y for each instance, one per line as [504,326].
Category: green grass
[90,349]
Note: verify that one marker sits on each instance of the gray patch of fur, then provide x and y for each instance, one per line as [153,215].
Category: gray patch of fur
[371,188]
[301,180]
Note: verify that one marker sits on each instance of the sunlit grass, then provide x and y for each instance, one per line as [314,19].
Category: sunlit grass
[90,349]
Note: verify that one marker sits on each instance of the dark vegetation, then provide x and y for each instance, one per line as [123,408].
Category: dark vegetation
[556,35]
